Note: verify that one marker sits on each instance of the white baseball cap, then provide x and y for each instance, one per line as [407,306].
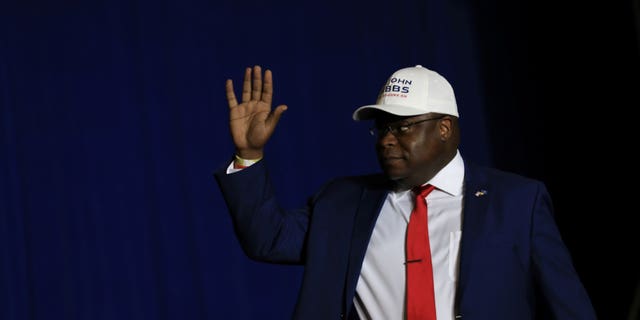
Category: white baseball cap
[410,92]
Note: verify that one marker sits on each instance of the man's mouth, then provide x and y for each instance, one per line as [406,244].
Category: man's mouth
[391,158]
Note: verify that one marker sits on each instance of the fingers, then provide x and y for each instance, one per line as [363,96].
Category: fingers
[252,86]
[246,85]
[274,117]
[231,96]
[267,89]
[256,93]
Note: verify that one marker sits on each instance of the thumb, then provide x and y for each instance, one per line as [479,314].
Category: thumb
[275,116]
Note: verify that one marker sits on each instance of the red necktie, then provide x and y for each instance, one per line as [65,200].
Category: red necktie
[421,303]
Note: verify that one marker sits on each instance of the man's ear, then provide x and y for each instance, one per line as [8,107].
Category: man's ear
[445,128]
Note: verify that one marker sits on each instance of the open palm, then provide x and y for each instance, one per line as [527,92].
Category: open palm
[252,122]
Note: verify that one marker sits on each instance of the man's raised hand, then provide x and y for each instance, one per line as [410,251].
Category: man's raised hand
[252,122]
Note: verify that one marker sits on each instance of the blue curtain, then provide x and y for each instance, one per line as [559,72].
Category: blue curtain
[113,118]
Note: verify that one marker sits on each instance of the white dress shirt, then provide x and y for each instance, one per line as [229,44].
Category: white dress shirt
[380,292]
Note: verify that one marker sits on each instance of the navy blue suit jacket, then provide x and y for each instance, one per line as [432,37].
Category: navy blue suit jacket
[510,249]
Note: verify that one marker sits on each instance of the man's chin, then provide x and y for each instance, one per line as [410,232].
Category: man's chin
[394,175]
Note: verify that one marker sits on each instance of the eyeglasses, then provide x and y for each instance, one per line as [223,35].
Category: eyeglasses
[397,129]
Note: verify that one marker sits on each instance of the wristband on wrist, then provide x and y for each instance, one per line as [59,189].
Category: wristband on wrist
[241,163]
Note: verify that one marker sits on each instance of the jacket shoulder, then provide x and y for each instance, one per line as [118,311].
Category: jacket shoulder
[497,177]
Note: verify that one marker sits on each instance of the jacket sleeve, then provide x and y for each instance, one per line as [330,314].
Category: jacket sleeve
[265,231]
[553,266]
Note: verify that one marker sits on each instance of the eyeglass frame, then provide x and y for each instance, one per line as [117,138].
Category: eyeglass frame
[399,129]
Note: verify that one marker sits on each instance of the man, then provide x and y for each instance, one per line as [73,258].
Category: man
[486,247]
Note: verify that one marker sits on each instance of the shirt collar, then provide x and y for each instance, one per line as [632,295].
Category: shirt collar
[451,177]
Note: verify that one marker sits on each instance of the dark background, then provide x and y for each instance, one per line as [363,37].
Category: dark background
[113,118]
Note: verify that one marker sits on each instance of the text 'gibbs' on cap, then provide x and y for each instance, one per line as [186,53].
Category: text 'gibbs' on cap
[410,92]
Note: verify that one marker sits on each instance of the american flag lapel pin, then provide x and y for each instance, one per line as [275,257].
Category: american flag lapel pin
[481,192]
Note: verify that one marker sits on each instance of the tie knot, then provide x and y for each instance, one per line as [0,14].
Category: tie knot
[424,190]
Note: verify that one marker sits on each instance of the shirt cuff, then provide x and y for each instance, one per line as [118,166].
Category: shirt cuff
[239,163]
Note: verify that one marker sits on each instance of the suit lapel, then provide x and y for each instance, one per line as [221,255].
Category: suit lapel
[477,194]
[368,210]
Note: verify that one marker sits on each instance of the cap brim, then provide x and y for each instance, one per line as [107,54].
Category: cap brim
[370,111]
